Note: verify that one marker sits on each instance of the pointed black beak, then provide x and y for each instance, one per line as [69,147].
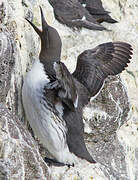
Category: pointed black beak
[38,31]
[50,40]
[44,23]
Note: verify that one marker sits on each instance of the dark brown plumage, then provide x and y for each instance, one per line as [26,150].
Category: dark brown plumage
[95,8]
[74,15]
[81,13]
[94,65]
[65,94]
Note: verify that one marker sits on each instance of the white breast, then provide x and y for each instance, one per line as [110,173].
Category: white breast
[49,128]
[37,77]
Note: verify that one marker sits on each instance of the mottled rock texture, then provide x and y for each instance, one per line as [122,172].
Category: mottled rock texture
[19,155]
[105,115]
[111,119]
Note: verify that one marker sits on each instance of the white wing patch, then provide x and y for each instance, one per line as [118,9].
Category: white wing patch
[83,18]
[84,5]
[76,101]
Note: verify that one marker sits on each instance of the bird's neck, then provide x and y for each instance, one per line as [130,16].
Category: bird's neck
[49,54]
[48,58]
[48,66]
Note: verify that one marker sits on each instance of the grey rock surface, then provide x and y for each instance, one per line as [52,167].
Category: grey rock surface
[19,155]
[107,113]
[6,62]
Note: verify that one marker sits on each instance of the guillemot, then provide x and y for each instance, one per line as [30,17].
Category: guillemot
[53,98]
[81,13]
[96,9]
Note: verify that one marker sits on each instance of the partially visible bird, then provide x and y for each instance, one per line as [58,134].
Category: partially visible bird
[96,9]
[81,13]
[53,98]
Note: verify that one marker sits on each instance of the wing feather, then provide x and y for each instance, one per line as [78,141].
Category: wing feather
[67,90]
[94,65]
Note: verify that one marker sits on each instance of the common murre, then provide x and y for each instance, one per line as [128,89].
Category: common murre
[53,98]
[81,13]
[95,8]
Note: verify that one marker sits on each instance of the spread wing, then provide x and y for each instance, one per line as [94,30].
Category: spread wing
[94,65]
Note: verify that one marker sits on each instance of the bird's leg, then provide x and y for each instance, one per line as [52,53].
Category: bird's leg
[56,163]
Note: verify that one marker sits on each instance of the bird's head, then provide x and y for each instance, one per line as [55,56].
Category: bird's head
[50,41]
